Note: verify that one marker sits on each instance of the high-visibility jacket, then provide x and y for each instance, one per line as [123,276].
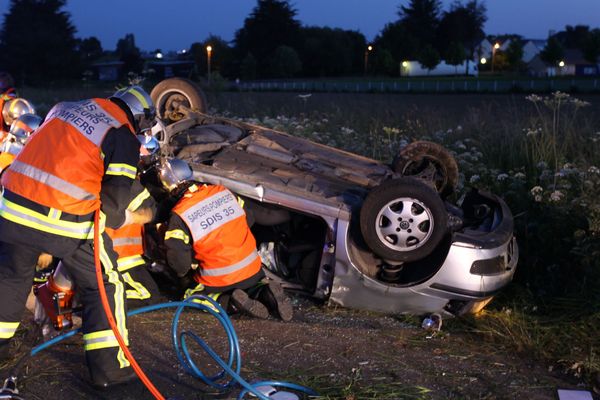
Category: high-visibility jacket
[128,239]
[222,240]
[5,160]
[62,181]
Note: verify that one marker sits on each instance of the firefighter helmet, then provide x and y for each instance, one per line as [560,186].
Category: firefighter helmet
[140,104]
[149,150]
[22,127]
[14,108]
[173,172]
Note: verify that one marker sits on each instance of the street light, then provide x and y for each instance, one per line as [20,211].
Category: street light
[208,56]
[367,51]
[496,47]
[483,60]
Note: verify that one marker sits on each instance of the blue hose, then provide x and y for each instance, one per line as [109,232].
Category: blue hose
[230,368]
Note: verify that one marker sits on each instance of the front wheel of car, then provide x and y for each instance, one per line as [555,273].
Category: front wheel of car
[403,220]
[170,93]
[429,162]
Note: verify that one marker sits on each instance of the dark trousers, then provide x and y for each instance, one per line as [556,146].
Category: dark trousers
[141,288]
[19,249]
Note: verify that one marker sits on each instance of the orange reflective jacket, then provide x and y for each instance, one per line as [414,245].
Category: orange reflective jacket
[62,165]
[5,160]
[222,239]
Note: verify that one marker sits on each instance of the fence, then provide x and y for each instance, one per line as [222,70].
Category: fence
[427,85]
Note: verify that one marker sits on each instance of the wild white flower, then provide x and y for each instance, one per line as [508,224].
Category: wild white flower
[459,128]
[520,175]
[346,130]
[502,177]
[536,190]
[580,103]
[538,198]
[460,145]
[474,179]
[534,98]
[542,165]
[557,195]
[594,170]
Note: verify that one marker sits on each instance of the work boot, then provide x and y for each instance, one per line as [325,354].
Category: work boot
[246,305]
[103,381]
[273,296]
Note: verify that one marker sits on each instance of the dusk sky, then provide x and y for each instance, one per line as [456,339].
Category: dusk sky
[175,24]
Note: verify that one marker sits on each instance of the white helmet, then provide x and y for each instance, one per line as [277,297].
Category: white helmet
[140,104]
[14,108]
[149,150]
[173,172]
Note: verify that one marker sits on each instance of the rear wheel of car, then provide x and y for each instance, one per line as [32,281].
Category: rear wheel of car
[403,220]
[170,93]
[430,163]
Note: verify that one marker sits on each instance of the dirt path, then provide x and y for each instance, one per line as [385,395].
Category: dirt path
[342,354]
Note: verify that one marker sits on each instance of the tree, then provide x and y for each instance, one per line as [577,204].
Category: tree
[455,55]
[514,54]
[284,62]
[384,62]
[248,67]
[421,19]
[591,46]
[429,58]
[271,24]
[90,50]
[130,54]
[553,52]
[331,52]
[37,41]
[398,41]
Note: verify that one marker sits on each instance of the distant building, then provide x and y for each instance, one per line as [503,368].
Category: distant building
[108,70]
[414,68]
[163,69]
[573,63]
[532,47]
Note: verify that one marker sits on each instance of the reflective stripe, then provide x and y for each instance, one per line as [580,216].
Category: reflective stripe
[177,234]
[126,263]
[23,216]
[50,180]
[139,292]
[121,169]
[140,97]
[113,278]
[241,202]
[231,268]
[54,213]
[138,200]
[8,329]
[100,340]
[126,241]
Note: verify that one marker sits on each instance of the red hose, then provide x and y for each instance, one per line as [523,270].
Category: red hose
[109,315]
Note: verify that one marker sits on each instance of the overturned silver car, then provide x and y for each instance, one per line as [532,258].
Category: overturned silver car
[345,228]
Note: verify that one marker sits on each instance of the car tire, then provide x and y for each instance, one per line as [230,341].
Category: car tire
[169,93]
[429,162]
[403,220]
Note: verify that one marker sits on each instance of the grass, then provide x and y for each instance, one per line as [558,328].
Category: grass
[553,310]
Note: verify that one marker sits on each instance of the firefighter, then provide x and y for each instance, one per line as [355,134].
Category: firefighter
[208,227]
[81,161]
[128,243]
